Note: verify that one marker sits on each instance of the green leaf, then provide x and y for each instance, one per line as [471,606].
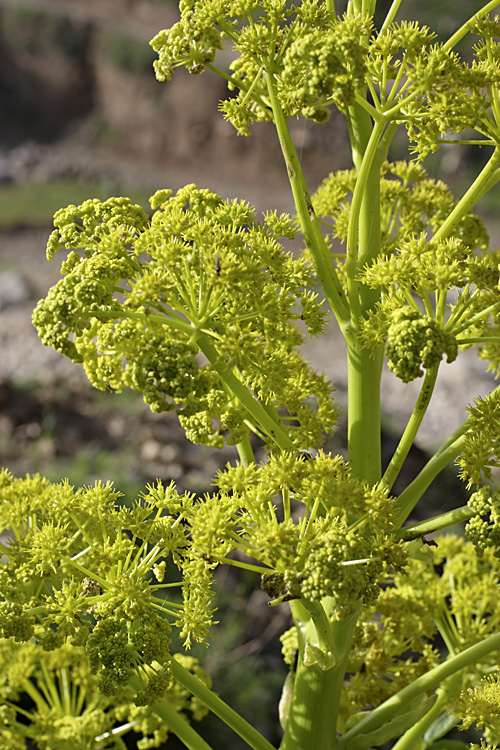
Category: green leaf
[440,727]
[395,727]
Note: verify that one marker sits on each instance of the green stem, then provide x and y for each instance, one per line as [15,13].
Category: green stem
[443,521]
[343,633]
[311,229]
[237,84]
[330,4]
[215,704]
[391,15]
[363,412]
[363,367]
[439,461]
[488,176]
[312,720]
[472,320]
[364,217]
[271,427]
[421,685]
[463,30]
[413,737]
[179,726]
[411,430]
[414,491]
[245,452]
[313,623]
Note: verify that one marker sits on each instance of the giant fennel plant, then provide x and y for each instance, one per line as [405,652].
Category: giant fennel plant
[395,635]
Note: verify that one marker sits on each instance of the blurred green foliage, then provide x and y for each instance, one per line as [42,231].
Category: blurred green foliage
[126,53]
[33,204]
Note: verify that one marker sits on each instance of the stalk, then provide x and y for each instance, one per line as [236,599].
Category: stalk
[414,491]
[411,430]
[391,15]
[245,452]
[215,704]
[443,521]
[396,703]
[363,367]
[180,727]
[413,737]
[363,412]
[269,423]
[312,720]
[464,30]
[311,229]
[483,182]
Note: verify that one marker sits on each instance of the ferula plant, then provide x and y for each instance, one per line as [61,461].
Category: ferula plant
[394,636]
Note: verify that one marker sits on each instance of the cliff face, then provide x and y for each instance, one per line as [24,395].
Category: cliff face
[88,62]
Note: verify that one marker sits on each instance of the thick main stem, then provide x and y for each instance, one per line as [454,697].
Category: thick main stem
[363,367]
[363,413]
[312,720]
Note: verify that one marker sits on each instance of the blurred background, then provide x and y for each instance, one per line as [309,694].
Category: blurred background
[82,115]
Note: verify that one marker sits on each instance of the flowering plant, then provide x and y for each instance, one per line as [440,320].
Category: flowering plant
[394,637]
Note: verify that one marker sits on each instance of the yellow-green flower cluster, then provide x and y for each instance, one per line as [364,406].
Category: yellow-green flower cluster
[480,450]
[483,530]
[82,717]
[320,531]
[146,296]
[415,342]
[317,60]
[480,706]
[90,582]
[445,591]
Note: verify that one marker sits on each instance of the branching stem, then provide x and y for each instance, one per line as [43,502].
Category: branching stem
[217,706]
[420,686]
[411,430]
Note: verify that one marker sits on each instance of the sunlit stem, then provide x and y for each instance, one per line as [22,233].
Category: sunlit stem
[391,15]
[430,526]
[411,430]
[414,491]
[413,737]
[217,706]
[488,176]
[310,226]
[465,29]
[272,427]
[245,452]
[397,703]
